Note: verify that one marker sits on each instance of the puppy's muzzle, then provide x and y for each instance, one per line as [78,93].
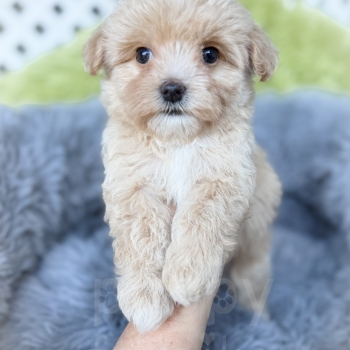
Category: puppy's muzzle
[172,91]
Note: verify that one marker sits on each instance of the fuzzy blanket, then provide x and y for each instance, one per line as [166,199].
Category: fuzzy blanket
[57,285]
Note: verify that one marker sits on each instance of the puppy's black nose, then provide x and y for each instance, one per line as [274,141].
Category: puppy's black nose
[172,91]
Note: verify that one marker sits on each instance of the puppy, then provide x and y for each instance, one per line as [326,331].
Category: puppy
[186,185]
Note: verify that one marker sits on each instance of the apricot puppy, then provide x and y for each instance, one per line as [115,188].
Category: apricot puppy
[186,185]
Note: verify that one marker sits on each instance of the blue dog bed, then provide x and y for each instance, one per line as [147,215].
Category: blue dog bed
[57,285]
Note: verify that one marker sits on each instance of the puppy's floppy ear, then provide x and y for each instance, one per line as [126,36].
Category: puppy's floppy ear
[263,54]
[94,52]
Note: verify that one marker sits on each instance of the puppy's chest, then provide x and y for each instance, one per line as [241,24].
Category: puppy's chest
[175,172]
[170,173]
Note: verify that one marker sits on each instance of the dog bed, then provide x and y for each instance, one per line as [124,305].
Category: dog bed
[57,285]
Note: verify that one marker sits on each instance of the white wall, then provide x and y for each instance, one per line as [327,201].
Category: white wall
[338,9]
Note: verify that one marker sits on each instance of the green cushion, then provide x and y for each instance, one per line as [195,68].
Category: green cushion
[314,49]
[58,76]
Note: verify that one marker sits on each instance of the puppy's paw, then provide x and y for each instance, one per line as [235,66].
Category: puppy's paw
[146,306]
[188,278]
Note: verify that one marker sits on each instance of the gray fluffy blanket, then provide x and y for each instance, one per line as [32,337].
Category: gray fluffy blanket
[57,286]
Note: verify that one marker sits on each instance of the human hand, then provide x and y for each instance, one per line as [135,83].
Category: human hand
[184,330]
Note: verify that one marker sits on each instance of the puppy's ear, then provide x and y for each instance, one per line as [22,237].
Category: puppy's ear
[263,54]
[94,52]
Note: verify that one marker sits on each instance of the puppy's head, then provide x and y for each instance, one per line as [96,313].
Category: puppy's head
[175,68]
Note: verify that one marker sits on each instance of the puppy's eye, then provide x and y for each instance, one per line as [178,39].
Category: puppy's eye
[143,55]
[210,55]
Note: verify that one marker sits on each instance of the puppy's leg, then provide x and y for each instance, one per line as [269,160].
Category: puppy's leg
[203,236]
[140,224]
[250,267]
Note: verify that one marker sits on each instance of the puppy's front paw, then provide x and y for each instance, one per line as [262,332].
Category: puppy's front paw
[146,305]
[187,277]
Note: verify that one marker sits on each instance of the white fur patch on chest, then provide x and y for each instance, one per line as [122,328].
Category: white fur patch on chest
[178,170]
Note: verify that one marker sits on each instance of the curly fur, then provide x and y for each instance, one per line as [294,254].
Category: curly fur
[180,190]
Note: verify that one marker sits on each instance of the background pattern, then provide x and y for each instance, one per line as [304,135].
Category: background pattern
[41,47]
[29,28]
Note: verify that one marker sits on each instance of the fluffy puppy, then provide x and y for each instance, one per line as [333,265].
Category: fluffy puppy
[186,185]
